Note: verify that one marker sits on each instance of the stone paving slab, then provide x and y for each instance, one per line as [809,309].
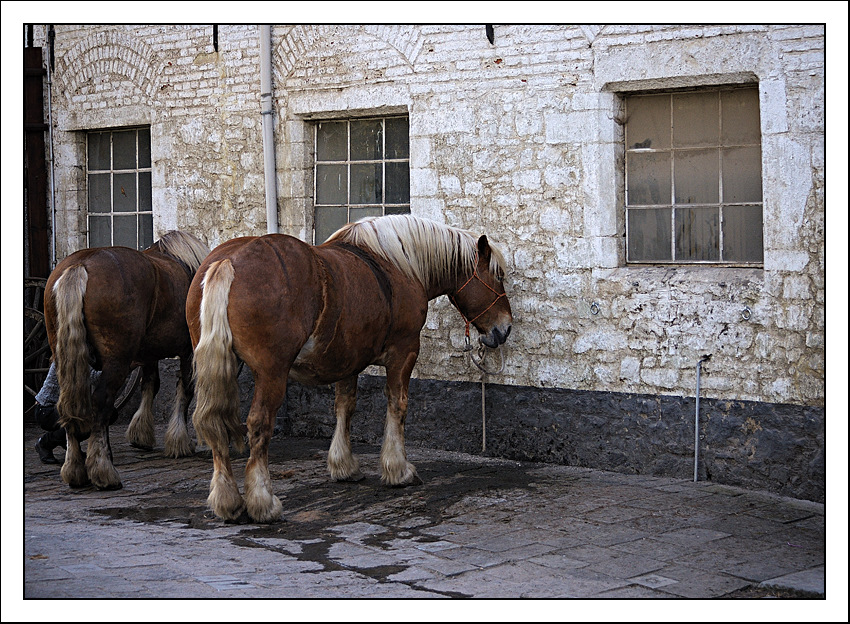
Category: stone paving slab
[478,527]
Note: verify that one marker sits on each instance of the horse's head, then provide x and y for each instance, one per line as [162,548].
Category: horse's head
[481,298]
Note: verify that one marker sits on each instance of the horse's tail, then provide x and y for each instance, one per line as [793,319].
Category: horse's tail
[216,416]
[71,349]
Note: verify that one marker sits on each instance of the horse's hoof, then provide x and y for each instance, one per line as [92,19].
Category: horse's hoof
[415,480]
[352,478]
[75,478]
[242,518]
[411,479]
[111,486]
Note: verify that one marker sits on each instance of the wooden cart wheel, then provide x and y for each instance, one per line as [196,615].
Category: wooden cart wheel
[36,347]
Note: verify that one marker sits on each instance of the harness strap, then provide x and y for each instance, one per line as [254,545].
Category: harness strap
[490,288]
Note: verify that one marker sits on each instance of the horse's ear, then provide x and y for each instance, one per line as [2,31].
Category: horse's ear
[484,248]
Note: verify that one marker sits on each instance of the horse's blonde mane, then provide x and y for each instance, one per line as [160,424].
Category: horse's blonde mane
[424,250]
[184,248]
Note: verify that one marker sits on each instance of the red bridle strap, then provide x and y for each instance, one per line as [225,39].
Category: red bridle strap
[473,319]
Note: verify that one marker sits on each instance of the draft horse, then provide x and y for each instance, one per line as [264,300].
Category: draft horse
[320,315]
[110,308]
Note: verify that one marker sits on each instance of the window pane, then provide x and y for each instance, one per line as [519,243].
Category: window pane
[100,192]
[100,231]
[125,230]
[328,220]
[697,234]
[697,177]
[366,184]
[649,235]
[124,150]
[367,139]
[391,210]
[742,234]
[649,122]
[742,174]
[397,129]
[145,201]
[332,141]
[358,213]
[144,148]
[124,192]
[331,184]
[649,179]
[741,119]
[99,149]
[145,231]
[695,119]
[398,183]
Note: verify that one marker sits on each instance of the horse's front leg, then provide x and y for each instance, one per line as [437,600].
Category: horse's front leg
[261,503]
[140,431]
[342,464]
[395,469]
[178,442]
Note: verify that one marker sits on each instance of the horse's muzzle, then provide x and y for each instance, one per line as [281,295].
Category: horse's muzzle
[495,337]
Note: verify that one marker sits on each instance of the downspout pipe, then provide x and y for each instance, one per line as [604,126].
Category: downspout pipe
[51,34]
[704,358]
[268,127]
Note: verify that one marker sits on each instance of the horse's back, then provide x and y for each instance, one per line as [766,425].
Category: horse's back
[276,289]
[131,300]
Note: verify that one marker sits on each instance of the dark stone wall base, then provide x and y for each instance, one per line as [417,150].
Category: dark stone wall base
[773,447]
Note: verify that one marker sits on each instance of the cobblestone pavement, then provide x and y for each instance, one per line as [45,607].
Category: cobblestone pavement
[478,527]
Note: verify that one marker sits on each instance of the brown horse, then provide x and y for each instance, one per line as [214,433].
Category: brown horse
[322,315]
[108,308]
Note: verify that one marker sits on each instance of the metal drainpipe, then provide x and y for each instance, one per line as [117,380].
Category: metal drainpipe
[50,37]
[704,358]
[268,127]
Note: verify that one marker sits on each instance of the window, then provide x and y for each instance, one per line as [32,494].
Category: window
[118,171]
[693,177]
[362,169]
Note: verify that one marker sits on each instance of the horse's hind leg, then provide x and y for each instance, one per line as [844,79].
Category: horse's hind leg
[178,442]
[74,469]
[342,464]
[140,432]
[261,503]
[99,454]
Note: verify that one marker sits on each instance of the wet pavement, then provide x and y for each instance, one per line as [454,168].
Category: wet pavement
[477,528]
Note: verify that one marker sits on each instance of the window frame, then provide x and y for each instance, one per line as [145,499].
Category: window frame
[144,228]
[386,207]
[672,207]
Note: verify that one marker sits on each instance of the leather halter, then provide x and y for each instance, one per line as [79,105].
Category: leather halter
[490,288]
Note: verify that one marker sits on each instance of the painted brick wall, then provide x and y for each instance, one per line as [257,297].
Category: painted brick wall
[519,139]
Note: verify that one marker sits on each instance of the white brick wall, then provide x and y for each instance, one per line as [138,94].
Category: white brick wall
[518,139]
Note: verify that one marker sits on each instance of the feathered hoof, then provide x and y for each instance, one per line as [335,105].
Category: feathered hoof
[262,505]
[110,486]
[415,480]
[402,478]
[242,518]
[140,438]
[75,476]
[267,514]
[179,447]
[353,477]
[104,477]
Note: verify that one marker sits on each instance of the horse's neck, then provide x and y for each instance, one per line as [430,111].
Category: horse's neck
[447,286]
